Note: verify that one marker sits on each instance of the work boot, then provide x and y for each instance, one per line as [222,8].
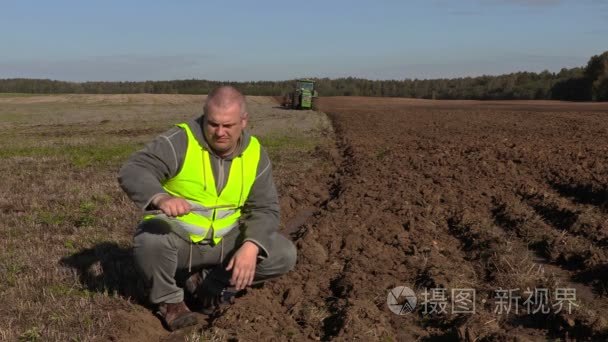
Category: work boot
[176,315]
[213,302]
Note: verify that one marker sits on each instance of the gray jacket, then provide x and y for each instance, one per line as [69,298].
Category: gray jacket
[141,176]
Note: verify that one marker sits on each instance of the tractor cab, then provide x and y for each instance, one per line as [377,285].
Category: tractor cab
[302,96]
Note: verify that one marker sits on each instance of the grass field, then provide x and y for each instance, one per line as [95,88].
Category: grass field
[65,259]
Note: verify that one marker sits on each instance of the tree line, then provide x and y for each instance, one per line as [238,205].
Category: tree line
[589,83]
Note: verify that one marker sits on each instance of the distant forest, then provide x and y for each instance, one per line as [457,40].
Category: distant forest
[589,83]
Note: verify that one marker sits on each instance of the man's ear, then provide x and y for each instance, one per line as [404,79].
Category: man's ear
[244,119]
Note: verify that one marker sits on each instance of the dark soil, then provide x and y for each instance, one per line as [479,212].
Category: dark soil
[451,195]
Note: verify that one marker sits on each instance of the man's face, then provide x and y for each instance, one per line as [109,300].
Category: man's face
[223,128]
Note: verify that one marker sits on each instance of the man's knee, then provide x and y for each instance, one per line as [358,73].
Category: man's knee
[150,239]
[290,255]
[283,256]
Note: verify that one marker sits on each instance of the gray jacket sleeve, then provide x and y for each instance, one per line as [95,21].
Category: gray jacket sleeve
[260,215]
[141,176]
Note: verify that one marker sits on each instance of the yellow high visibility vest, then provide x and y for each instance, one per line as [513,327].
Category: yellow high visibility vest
[213,215]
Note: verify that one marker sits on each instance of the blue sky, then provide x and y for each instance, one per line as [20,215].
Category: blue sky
[278,40]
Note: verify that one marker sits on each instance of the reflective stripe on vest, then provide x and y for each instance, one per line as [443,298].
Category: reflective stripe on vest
[213,215]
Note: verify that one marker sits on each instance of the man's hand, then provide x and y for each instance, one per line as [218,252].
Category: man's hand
[243,264]
[171,206]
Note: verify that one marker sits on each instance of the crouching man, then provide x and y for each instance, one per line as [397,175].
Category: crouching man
[210,209]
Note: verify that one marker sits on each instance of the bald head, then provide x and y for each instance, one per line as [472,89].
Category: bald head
[224,120]
[224,97]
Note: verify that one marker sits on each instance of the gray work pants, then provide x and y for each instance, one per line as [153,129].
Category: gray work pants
[161,253]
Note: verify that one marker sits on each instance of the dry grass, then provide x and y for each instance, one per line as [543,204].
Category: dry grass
[65,241]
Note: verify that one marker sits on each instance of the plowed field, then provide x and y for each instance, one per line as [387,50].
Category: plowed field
[508,200]
[493,214]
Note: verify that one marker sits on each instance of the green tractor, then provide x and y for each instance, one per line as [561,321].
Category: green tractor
[302,97]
